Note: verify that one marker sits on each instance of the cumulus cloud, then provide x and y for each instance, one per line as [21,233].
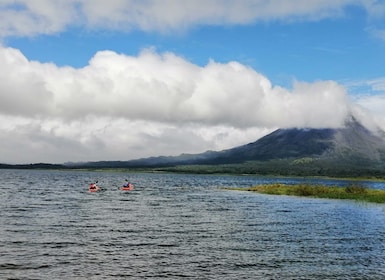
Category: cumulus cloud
[29,18]
[164,88]
[122,107]
[373,105]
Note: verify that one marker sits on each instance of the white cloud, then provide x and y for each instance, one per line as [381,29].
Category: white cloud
[173,14]
[122,107]
[29,18]
[369,95]
[373,104]
[164,88]
[363,87]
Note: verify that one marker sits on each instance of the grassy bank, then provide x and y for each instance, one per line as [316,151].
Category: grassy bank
[354,192]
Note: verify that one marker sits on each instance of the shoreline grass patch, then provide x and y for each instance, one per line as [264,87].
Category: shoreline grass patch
[353,192]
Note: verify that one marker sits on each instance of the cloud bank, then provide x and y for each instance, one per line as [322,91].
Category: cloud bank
[30,18]
[122,107]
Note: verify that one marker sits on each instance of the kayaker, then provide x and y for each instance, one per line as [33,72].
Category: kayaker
[93,185]
[126,184]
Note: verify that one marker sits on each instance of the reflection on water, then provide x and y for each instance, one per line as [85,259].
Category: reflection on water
[180,226]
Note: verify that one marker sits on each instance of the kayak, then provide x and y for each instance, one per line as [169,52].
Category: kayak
[94,188]
[129,187]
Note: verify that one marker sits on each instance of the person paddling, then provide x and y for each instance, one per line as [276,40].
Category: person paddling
[126,184]
[94,186]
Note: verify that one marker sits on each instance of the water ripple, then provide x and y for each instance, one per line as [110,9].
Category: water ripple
[180,226]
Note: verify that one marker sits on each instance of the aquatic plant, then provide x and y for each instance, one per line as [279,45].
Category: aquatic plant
[354,192]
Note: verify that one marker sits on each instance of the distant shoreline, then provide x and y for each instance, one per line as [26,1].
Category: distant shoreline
[200,169]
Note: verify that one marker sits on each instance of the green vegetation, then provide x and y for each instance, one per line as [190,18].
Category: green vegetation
[354,192]
[304,167]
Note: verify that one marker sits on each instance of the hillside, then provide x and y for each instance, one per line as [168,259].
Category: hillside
[349,151]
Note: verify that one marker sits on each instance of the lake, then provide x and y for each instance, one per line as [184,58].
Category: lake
[175,226]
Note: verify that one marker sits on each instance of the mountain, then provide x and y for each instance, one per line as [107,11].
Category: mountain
[352,150]
[353,141]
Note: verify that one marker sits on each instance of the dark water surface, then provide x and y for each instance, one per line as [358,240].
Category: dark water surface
[180,226]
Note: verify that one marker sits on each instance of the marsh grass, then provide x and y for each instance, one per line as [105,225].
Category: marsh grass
[354,192]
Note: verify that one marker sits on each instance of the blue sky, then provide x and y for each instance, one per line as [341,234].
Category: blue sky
[341,48]
[181,76]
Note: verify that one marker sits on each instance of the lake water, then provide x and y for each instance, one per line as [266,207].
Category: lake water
[180,226]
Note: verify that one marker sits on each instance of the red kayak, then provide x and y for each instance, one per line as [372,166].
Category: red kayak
[128,187]
[93,187]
